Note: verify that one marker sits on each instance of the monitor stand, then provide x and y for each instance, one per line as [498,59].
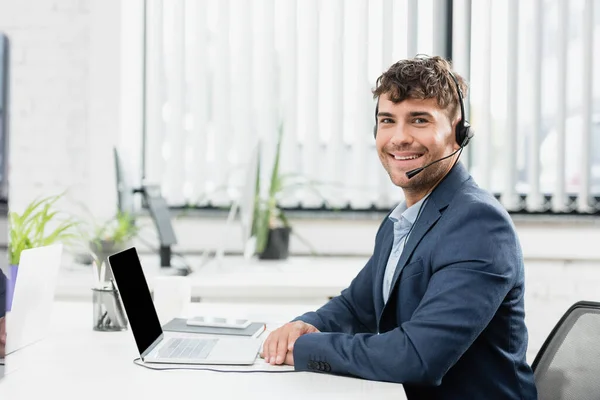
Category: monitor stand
[159,211]
[169,266]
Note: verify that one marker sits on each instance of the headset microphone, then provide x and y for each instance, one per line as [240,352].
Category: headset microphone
[416,171]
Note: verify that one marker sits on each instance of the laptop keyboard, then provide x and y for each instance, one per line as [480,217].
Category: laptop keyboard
[184,348]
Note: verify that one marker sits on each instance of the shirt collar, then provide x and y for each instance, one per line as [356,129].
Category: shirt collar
[409,214]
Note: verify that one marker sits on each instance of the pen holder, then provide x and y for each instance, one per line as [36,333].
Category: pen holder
[108,312]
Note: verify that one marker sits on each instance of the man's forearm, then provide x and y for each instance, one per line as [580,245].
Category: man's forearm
[337,315]
[353,311]
[366,356]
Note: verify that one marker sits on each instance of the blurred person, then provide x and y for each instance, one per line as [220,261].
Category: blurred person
[2,314]
[439,306]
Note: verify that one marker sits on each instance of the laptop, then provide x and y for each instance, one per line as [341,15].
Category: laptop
[174,348]
[28,320]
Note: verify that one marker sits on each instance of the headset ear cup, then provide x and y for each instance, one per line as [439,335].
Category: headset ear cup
[468,135]
[375,132]
[463,135]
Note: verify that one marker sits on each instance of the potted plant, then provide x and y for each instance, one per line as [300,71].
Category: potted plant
[112,237]
[38,225]
[271,228]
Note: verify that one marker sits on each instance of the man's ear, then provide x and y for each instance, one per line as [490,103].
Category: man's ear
[456,145]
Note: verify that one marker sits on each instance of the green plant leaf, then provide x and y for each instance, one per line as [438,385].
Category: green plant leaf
[266,211]
[30,228]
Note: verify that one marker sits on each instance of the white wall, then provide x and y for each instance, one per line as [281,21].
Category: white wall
[49,102]
[67,98]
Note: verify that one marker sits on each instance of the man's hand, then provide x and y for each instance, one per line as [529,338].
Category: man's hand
[279,346]
[2,337]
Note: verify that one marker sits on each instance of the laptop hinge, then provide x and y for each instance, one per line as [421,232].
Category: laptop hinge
[152,346]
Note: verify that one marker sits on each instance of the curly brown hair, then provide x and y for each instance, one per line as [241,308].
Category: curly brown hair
[422,77]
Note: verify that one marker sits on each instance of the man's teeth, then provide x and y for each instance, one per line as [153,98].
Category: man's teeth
[407,158]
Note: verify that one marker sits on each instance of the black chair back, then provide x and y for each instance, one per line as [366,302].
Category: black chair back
[568,364]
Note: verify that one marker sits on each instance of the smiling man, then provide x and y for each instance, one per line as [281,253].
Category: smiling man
[439,306]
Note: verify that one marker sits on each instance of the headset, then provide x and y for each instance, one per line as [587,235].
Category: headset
[463,131]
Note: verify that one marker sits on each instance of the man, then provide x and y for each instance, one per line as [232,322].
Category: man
[439,305]
[2,314]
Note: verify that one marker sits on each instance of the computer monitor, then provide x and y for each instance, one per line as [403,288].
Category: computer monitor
[248,193]
[157,206]
[159,211]
[4,127]
[125,189]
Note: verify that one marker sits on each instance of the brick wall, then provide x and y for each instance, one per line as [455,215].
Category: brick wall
[65,100]
[49,92]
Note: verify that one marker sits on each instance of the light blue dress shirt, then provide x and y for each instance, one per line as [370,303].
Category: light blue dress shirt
[403,219]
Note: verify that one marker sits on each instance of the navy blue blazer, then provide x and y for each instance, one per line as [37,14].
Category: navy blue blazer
[453,327]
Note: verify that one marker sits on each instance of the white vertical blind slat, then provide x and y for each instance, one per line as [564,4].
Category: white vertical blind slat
[290,162]
[426,29]
[400,28]
[308,101]
[440,27]
[509,195]
[198,75]
[587,77]
[176,134]
[331,91]
[535,198]
[154,94]
[243,138]
[359,128]
[412,29]
[484,142]
[264,86]
[559,198]
[482,115]
[221,116]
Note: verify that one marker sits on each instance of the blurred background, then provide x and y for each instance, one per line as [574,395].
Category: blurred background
[156,123]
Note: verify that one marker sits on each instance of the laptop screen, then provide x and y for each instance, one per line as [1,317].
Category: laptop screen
[135,294]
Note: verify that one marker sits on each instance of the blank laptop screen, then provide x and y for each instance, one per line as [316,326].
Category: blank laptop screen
[134,291]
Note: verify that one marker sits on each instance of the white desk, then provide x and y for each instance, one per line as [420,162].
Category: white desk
[296,280]
[75,362]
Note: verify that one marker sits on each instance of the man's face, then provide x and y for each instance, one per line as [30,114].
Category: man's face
[411,134]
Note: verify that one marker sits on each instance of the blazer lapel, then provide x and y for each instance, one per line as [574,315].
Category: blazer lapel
[438,200]
[384,254]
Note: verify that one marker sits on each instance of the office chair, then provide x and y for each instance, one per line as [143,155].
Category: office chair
[568,364]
